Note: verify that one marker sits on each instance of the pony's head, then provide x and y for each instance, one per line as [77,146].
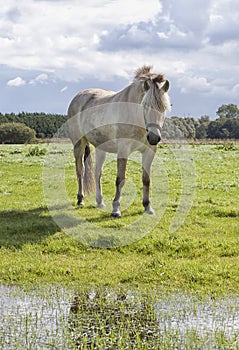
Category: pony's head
[155,101]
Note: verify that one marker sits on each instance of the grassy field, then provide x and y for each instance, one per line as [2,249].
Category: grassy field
[201,256]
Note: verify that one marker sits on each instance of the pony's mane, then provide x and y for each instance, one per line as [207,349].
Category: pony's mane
[142,71]
[154,97]
[146,72]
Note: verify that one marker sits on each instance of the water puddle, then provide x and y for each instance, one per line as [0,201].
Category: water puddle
[57,318]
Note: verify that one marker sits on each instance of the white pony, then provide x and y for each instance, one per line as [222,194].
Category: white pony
[118,122]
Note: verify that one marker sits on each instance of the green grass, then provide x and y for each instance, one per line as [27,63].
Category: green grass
[200,257]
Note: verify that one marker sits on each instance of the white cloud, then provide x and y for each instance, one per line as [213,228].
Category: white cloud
[16,82]
[40,79]
[195,43]
[53,35]
[198,84]
[224,18]
[64,89]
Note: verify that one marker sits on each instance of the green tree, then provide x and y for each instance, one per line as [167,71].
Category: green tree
[16,133]
[204,119]
[217,130]
[202,126]
[177,128]
[201,131]
[232,125]
[228,111]
[45,125]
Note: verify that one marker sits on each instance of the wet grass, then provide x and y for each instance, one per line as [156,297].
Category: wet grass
[106,318]
[201,257]
[109,319]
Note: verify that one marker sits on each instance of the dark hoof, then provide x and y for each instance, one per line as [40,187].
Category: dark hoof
[116,215]
[80,204]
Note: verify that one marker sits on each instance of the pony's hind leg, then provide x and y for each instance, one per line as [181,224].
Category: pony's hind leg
[79,150]
[99,161]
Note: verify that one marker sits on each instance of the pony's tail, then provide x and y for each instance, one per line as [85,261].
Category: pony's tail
[88,180]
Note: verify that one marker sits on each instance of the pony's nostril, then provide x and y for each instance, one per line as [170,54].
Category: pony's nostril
[153,139]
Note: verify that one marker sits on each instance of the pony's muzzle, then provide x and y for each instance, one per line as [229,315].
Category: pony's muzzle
[153,133]
[153,136]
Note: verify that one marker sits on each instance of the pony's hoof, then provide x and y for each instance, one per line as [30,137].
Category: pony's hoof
[80,204]
[100,205]
[149,211]
[116,214]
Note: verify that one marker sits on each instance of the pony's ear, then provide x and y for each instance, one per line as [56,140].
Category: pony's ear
[166,86]
[158,78]
[147,84]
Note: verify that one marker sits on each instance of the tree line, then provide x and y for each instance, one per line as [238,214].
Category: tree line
[45,125]
[226,126]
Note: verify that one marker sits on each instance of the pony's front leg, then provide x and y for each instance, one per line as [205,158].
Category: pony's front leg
[147,159]
[99,161]
[120,181]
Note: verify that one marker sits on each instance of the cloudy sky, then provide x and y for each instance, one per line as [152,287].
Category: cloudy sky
[50,50]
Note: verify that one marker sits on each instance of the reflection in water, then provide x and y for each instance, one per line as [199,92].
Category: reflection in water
[55,318]
[116,318]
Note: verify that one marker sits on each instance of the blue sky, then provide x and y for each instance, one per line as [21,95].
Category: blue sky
[51,49]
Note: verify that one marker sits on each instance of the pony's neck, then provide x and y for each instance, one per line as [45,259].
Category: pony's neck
[132,93]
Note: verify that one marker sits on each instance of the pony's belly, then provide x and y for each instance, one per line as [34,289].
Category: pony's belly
[110,147]
[110,138]
[103,138]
